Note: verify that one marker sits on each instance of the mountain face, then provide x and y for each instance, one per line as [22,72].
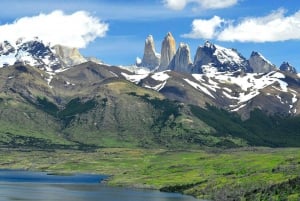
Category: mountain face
[150,59]
[208,58]
[286,67]
[52,96]
[68,56]
[36,53]
[181,62]
[220,58]
[259,64]
[168,50]
[274,92]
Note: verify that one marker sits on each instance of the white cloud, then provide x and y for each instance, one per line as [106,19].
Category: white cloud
[205,4]
[273,27]
[74,30]
[206,29]
[175,4]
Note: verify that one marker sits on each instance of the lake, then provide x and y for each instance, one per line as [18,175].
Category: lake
[18,185]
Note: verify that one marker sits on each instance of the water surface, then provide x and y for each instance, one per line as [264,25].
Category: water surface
[40,186]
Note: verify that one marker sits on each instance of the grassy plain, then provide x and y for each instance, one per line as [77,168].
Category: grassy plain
[236,174]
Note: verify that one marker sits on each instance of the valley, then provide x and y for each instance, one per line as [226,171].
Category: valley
[221,128]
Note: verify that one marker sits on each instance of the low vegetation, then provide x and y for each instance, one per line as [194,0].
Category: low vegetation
[144,140]
[236,174]
[259,130]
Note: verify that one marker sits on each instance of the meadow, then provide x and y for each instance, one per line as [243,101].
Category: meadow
[215,174]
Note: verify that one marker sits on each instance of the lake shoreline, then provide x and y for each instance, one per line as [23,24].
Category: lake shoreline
[105,181]
[23,180]
[209,175]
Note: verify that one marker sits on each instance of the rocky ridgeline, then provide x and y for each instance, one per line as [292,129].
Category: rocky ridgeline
[36,53]
[208,58]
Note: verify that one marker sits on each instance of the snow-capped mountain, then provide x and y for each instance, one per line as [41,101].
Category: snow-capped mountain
[36,53]
[219,76]
[274,92]
[211,56]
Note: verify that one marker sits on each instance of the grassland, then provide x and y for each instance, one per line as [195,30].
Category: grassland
[236,174]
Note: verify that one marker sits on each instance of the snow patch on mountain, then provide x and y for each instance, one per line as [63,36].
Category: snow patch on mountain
[161,76]
[209,69]
[226,55]
[294,99]
[7,60]
[230,96]
[136,78]
[157,87]
[250,85]
[49,79]
[136,70]
[238,108]
[198,87]
[114,74]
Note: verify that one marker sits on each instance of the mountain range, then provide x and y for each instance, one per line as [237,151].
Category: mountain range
[52,96]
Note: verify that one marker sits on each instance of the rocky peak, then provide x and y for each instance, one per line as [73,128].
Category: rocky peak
[260,64]
[209,45]
[35,52]
[168,51]
[181,62]
[6,48]
[69,56]
[286,67]
[36,48]
[220,58]
[150,59]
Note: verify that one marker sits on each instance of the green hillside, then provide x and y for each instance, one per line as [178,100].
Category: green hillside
[105,111]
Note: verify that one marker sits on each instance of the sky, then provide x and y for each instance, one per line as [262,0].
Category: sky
[114,31]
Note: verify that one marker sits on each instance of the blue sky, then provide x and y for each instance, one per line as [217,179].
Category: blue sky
[271,27]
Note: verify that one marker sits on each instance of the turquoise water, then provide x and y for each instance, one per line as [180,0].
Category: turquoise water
[39,186]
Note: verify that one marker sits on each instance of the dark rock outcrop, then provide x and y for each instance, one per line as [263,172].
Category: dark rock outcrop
[286,67]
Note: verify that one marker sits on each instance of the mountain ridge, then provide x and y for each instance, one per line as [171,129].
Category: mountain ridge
[96,104]
[214,56]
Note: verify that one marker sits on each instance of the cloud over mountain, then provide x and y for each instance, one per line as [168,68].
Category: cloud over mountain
[270,28]
[75,30]
[206,29]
